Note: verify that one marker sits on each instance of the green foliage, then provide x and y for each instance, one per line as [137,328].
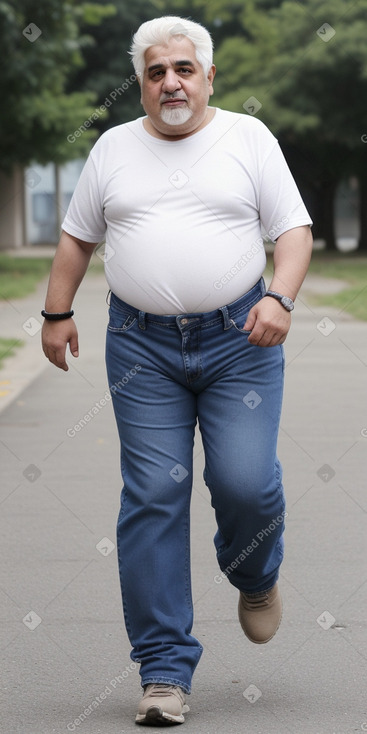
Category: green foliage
[41,44]
[306,85]
[19,276]
[94,14]
[352,271]
[108,65]
[8,348]
[311,81]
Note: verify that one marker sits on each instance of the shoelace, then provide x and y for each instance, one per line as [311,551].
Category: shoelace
[161,689]
[256,601]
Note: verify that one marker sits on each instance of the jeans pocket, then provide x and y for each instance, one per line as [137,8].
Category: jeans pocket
[238,323]
[120,322]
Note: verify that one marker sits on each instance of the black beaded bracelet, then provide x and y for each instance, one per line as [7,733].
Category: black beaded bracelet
[57,316]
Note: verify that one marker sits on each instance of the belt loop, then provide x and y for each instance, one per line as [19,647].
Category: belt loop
[226,319]
[142,320]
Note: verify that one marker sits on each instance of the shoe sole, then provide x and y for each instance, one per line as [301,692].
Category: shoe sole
[155,716]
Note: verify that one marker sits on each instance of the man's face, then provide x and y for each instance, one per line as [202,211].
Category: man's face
[175,91]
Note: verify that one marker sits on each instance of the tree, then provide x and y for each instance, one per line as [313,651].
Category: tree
[40,46]
[108,72]
[306,64]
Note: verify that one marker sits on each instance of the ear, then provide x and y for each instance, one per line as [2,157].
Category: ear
[211,76]
[138,79]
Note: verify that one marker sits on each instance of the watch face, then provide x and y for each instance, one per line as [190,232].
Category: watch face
[287,303]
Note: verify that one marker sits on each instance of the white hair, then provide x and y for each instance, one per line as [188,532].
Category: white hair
[159,32]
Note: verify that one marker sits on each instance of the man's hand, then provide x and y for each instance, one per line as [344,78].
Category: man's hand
[56,335]
[68,269]
[269,323]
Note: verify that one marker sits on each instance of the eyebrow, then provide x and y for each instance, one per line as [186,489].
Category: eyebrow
[184,62]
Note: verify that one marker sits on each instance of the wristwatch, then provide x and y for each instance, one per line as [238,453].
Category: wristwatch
[286,302]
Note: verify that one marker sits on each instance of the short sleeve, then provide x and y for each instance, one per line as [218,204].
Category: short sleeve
[280,203]
[84,218]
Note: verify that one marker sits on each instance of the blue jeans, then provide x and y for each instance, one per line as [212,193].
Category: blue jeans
[165,372]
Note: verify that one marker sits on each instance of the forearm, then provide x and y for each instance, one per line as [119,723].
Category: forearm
[292,257]
[68,269]
[268,321]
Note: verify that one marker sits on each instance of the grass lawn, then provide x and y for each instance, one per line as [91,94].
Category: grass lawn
[351,269]
[8,347]
[19,275]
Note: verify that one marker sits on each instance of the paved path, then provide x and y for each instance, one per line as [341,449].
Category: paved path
[65,655]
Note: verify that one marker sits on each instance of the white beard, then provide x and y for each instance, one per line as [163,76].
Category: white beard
[175,116]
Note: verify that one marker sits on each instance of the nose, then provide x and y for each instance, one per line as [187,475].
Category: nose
[171,81]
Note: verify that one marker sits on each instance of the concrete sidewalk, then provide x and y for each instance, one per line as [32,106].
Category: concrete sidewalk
[65,653]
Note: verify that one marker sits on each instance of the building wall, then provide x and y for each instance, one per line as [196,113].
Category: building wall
[43,211]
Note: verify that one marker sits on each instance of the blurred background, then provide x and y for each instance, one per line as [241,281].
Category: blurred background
[300,66]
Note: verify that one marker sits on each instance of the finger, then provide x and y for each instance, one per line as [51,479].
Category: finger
[257,337]
[250,321]
[74,345]
[57,357]
[266,339]
[275,341]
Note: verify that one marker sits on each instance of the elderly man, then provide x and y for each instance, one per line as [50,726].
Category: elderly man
[183,196]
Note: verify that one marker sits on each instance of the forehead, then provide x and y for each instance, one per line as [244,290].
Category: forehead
[178,49]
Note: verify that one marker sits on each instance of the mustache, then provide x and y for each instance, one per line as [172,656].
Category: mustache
[174,95]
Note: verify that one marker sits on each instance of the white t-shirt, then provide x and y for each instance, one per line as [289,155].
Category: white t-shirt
[183,220]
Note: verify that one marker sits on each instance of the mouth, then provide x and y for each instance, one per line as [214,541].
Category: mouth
[174,102]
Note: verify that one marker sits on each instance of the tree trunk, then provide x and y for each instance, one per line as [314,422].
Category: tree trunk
[362,245]
[328,199]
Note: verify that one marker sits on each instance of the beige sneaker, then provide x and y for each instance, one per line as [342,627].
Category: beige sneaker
[260,614]
[162,705]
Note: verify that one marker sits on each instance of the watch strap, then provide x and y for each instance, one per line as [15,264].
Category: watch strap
[285,301]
